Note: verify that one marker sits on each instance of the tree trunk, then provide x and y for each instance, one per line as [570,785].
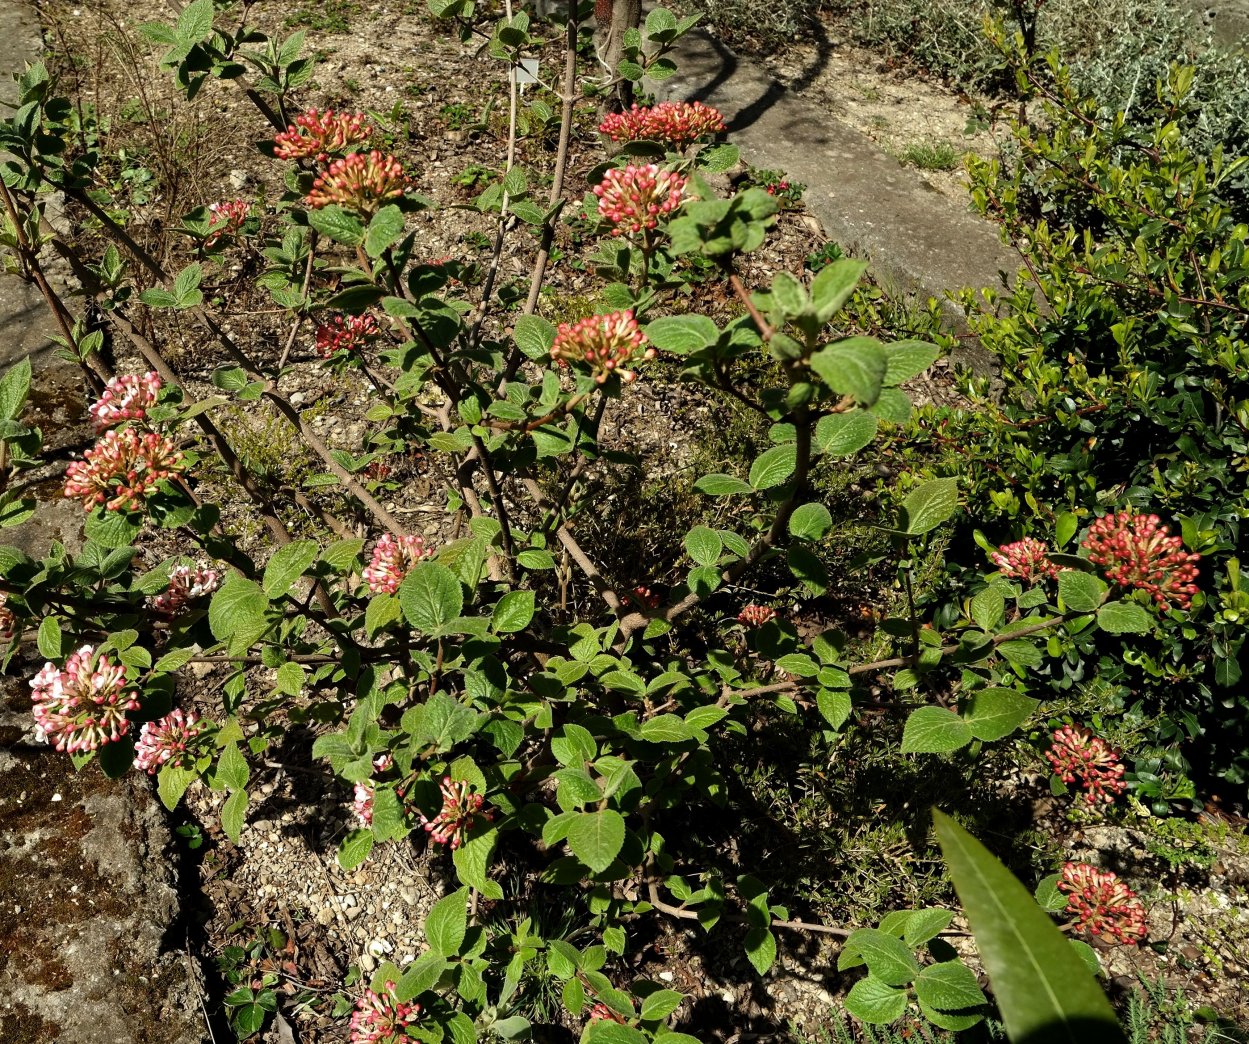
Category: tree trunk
[613,18]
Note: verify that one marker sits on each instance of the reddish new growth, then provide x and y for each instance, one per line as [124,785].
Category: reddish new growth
[1102,904]
[635,198]
[346,333]
[1077,753]
[676,122]
[1135,551]
[361,181]
[605,343]
[381,1019]
[646,598]
[317,135]
[8,619]
[393,560]
[228,218]
[167,742]
[121,470]
[780,186]
[1025,559]
[600,1012]
[186,584]
[125,398]
[83,706]
[460,809]
[756,615]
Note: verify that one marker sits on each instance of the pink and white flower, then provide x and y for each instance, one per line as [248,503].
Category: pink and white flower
[1078,754]
[82,706]
[317,135]
[605,343]
[1136,551]
[635,198]
[168,741]
[1026,559]
[186,584]
[359,181]
[393,559]
[346,333]
[381,1019]
[125,398]
[228,218]
[460,810]
[1102,904]
[121,470]
[756,615]
[678,123]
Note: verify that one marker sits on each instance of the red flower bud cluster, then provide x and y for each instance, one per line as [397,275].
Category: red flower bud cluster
[228,218]
[380,1018]
[606,343]
[1078,754]
[346,333]
[167,742]
[121,470]
[1102,904]
[756,615]
[1025,559]
[82,706]
[676,122]
[317,135]
[125,398]
[460,809]
[1136,551]
[646,598]
[392,560]
[359,181]
[635,198]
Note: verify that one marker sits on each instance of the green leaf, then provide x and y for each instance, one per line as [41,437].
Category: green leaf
[716,159]
[988,608]
[682,334]
[286,565]
[853,366]
[237,606]
[534,336]
[923,925]
[665,728]
[48,640]
[894,406]
[1081,592]
[536,559]
[232,768]
[420,976]
[722,485]
[810,521]
[772,467]
[834,706]
[385,227]
[113,528]
[1045,992]
[14,387]
[704,545]
[447,924]
[887,957]
[1088,955]
[949,986]
[874,1002]
[992,714]
[234,814]
[431,597]
[660,1004]
[355,848]
[761,949]
[1124,618]
[597,837]
[472,863]
[788,294]
[333,221]
[512,612]
[841,434]
[833,286]
[196,21]
[907,359]
[928,505]
[172,782]
[1047,895]
[382,611]
[934,730]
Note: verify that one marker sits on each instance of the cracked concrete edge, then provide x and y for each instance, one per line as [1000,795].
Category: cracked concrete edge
[916,240]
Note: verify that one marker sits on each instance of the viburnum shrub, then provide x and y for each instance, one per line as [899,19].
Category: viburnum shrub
[467,706]
[1119,434]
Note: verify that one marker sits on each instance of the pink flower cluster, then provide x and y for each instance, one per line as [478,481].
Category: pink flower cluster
[228,218]
[8,619]
[1077,753]
[317,135]
[460,809]
[186,584]
[756,615]
[635,198]
[1025,559]
[359,181]
[393,560]
[600,1012]
[125,398]
[83,706]
[121,470]
[1135,551]
[346,333]
[362,797]
[605,342]
[167,742]
[677,122]
[1102,904]
[380,1019]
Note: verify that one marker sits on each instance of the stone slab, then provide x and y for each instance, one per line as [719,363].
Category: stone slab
[917,240]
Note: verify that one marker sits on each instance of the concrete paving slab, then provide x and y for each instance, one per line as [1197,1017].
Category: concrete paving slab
[916,239]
